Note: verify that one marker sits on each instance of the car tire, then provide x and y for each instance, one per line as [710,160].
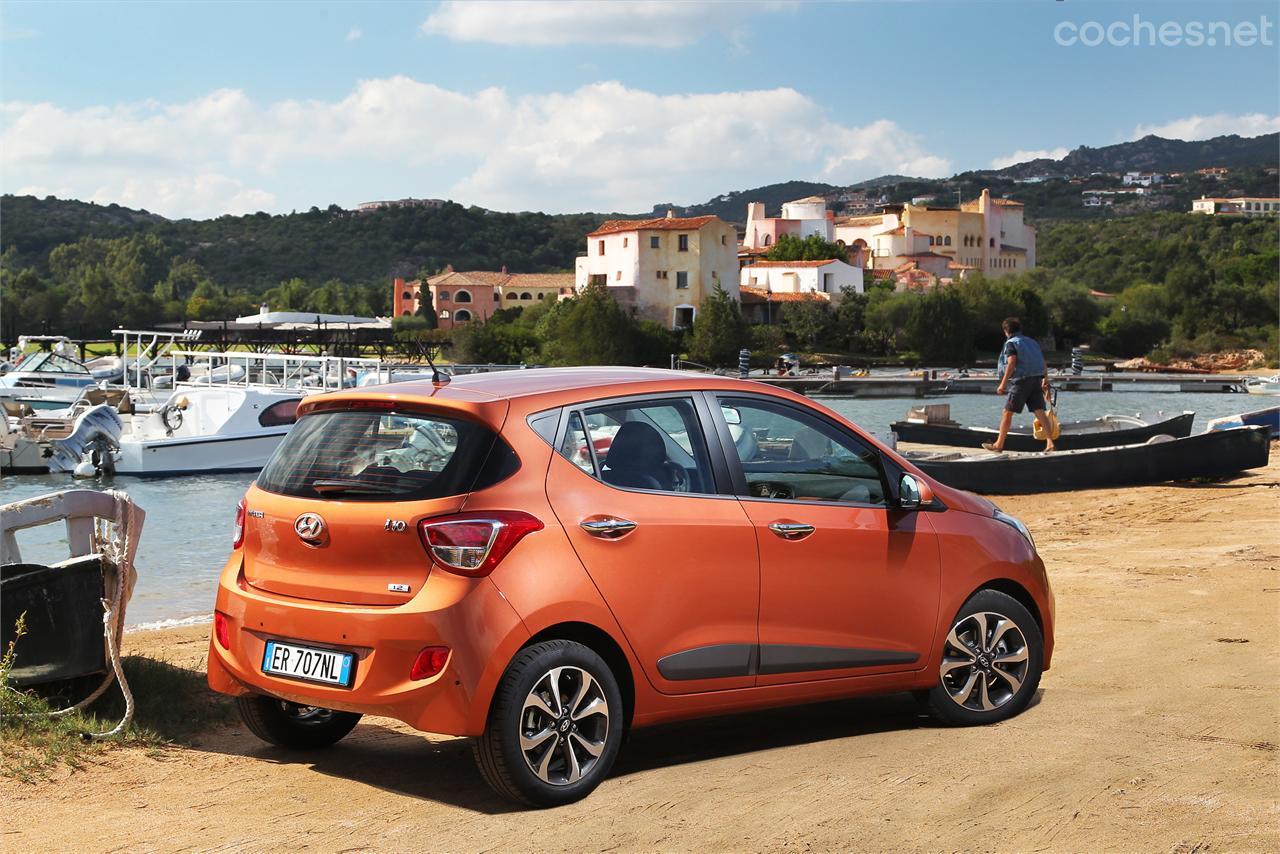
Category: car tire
[290,725]
[990,664]
[555,725]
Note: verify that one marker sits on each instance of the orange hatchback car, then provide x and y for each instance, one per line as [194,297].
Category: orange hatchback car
[543,559]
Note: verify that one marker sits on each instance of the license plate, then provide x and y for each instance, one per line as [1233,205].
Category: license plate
[312,665]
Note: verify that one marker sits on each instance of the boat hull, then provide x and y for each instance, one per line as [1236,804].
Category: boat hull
[171,457]
[1206,455]
[1075,435]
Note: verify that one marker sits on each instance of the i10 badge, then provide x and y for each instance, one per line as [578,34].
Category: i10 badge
[395,526]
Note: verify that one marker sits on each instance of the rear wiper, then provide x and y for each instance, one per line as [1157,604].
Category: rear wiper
[350,487]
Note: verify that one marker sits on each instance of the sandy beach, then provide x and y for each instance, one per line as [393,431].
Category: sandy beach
[1157,729]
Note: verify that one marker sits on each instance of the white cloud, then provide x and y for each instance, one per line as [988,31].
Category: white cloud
[1022,155]
[644,23]
[353,34]
[602,147]
[1206,127]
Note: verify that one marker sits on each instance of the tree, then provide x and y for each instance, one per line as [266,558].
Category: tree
[887,315]
[1073,313]
[589,329]
[940,328]
[719,330]
[808,320]
[850,317]
[426,309]
[789,247]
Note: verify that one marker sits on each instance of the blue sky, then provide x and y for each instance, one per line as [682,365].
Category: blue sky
[198,109]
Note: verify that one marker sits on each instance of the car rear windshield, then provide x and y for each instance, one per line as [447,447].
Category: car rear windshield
[370,455]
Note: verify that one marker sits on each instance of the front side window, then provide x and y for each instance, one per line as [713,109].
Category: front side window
[789,455]
[651,444]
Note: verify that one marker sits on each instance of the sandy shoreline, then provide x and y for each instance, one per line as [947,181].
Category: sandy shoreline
[1157,729]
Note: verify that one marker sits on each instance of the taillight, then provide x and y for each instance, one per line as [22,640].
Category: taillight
[237,536]
[474,543]
[429,662]
[222,630]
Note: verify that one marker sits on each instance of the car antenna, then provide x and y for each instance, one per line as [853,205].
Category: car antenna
[438,376]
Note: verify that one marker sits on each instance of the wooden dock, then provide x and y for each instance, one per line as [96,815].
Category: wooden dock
[914,386]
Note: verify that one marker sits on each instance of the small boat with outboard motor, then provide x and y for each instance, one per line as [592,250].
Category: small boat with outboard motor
[932,425]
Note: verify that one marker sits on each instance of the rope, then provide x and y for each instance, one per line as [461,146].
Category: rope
[114,547]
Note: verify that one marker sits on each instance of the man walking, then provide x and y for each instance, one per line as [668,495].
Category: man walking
[1022,373]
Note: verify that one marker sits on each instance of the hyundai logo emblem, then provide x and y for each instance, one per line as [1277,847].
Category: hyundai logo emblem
[310,528]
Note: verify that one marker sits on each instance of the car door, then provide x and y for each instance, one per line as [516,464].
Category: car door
[634,487]
[849,585]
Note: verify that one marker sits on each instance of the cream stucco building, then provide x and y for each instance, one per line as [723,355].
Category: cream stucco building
[661,269]
[827,279]
[986,234]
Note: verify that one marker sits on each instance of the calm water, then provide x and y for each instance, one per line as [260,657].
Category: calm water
[187,534]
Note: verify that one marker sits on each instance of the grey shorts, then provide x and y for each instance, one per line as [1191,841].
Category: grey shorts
[1025,391]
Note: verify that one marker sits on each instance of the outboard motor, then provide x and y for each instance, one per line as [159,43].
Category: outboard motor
[94,438]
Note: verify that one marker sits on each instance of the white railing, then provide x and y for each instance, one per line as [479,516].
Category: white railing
[149,343]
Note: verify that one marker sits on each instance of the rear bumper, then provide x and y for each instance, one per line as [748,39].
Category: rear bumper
[469,616]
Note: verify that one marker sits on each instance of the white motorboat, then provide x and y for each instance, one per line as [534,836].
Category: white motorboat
[205,429]
[45,379]
[1264,385]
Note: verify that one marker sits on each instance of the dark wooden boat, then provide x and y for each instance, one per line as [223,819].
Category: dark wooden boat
[1107,431]
[1216,454]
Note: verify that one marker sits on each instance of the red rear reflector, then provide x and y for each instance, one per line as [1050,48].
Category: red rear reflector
[474,543]
[237,536]
[429,662]
[222,630]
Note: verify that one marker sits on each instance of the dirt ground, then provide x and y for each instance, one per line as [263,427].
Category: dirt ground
[1156,730]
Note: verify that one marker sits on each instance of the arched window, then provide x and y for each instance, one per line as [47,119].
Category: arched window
[497,297]
[946,241]
[768,238]
[540,296]
[930,240]
[462,296]
[993,243]
[444,296]
[461,316]
[511,295]
[404,314]
[406,295]
[526,295]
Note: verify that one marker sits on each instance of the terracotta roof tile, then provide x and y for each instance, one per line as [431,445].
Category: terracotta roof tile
[617,226]
[794,263]
[758,295]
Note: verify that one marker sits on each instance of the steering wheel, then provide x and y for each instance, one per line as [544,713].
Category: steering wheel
[677,477]
[171,418]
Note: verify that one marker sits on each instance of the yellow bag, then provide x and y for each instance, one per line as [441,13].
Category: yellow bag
[1055,429]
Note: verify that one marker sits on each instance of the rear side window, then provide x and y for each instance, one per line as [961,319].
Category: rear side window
[374,455]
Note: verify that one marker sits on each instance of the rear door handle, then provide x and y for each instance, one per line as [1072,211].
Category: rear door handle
[791,530]
[607,527]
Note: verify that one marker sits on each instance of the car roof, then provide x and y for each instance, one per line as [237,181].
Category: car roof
[490,395]
[533,382]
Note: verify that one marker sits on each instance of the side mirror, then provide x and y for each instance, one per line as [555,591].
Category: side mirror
[913,493]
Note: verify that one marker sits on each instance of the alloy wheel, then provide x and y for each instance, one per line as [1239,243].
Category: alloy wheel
[984,661]
[564,725]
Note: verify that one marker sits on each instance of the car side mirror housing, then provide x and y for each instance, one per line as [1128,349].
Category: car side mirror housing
[913,493]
